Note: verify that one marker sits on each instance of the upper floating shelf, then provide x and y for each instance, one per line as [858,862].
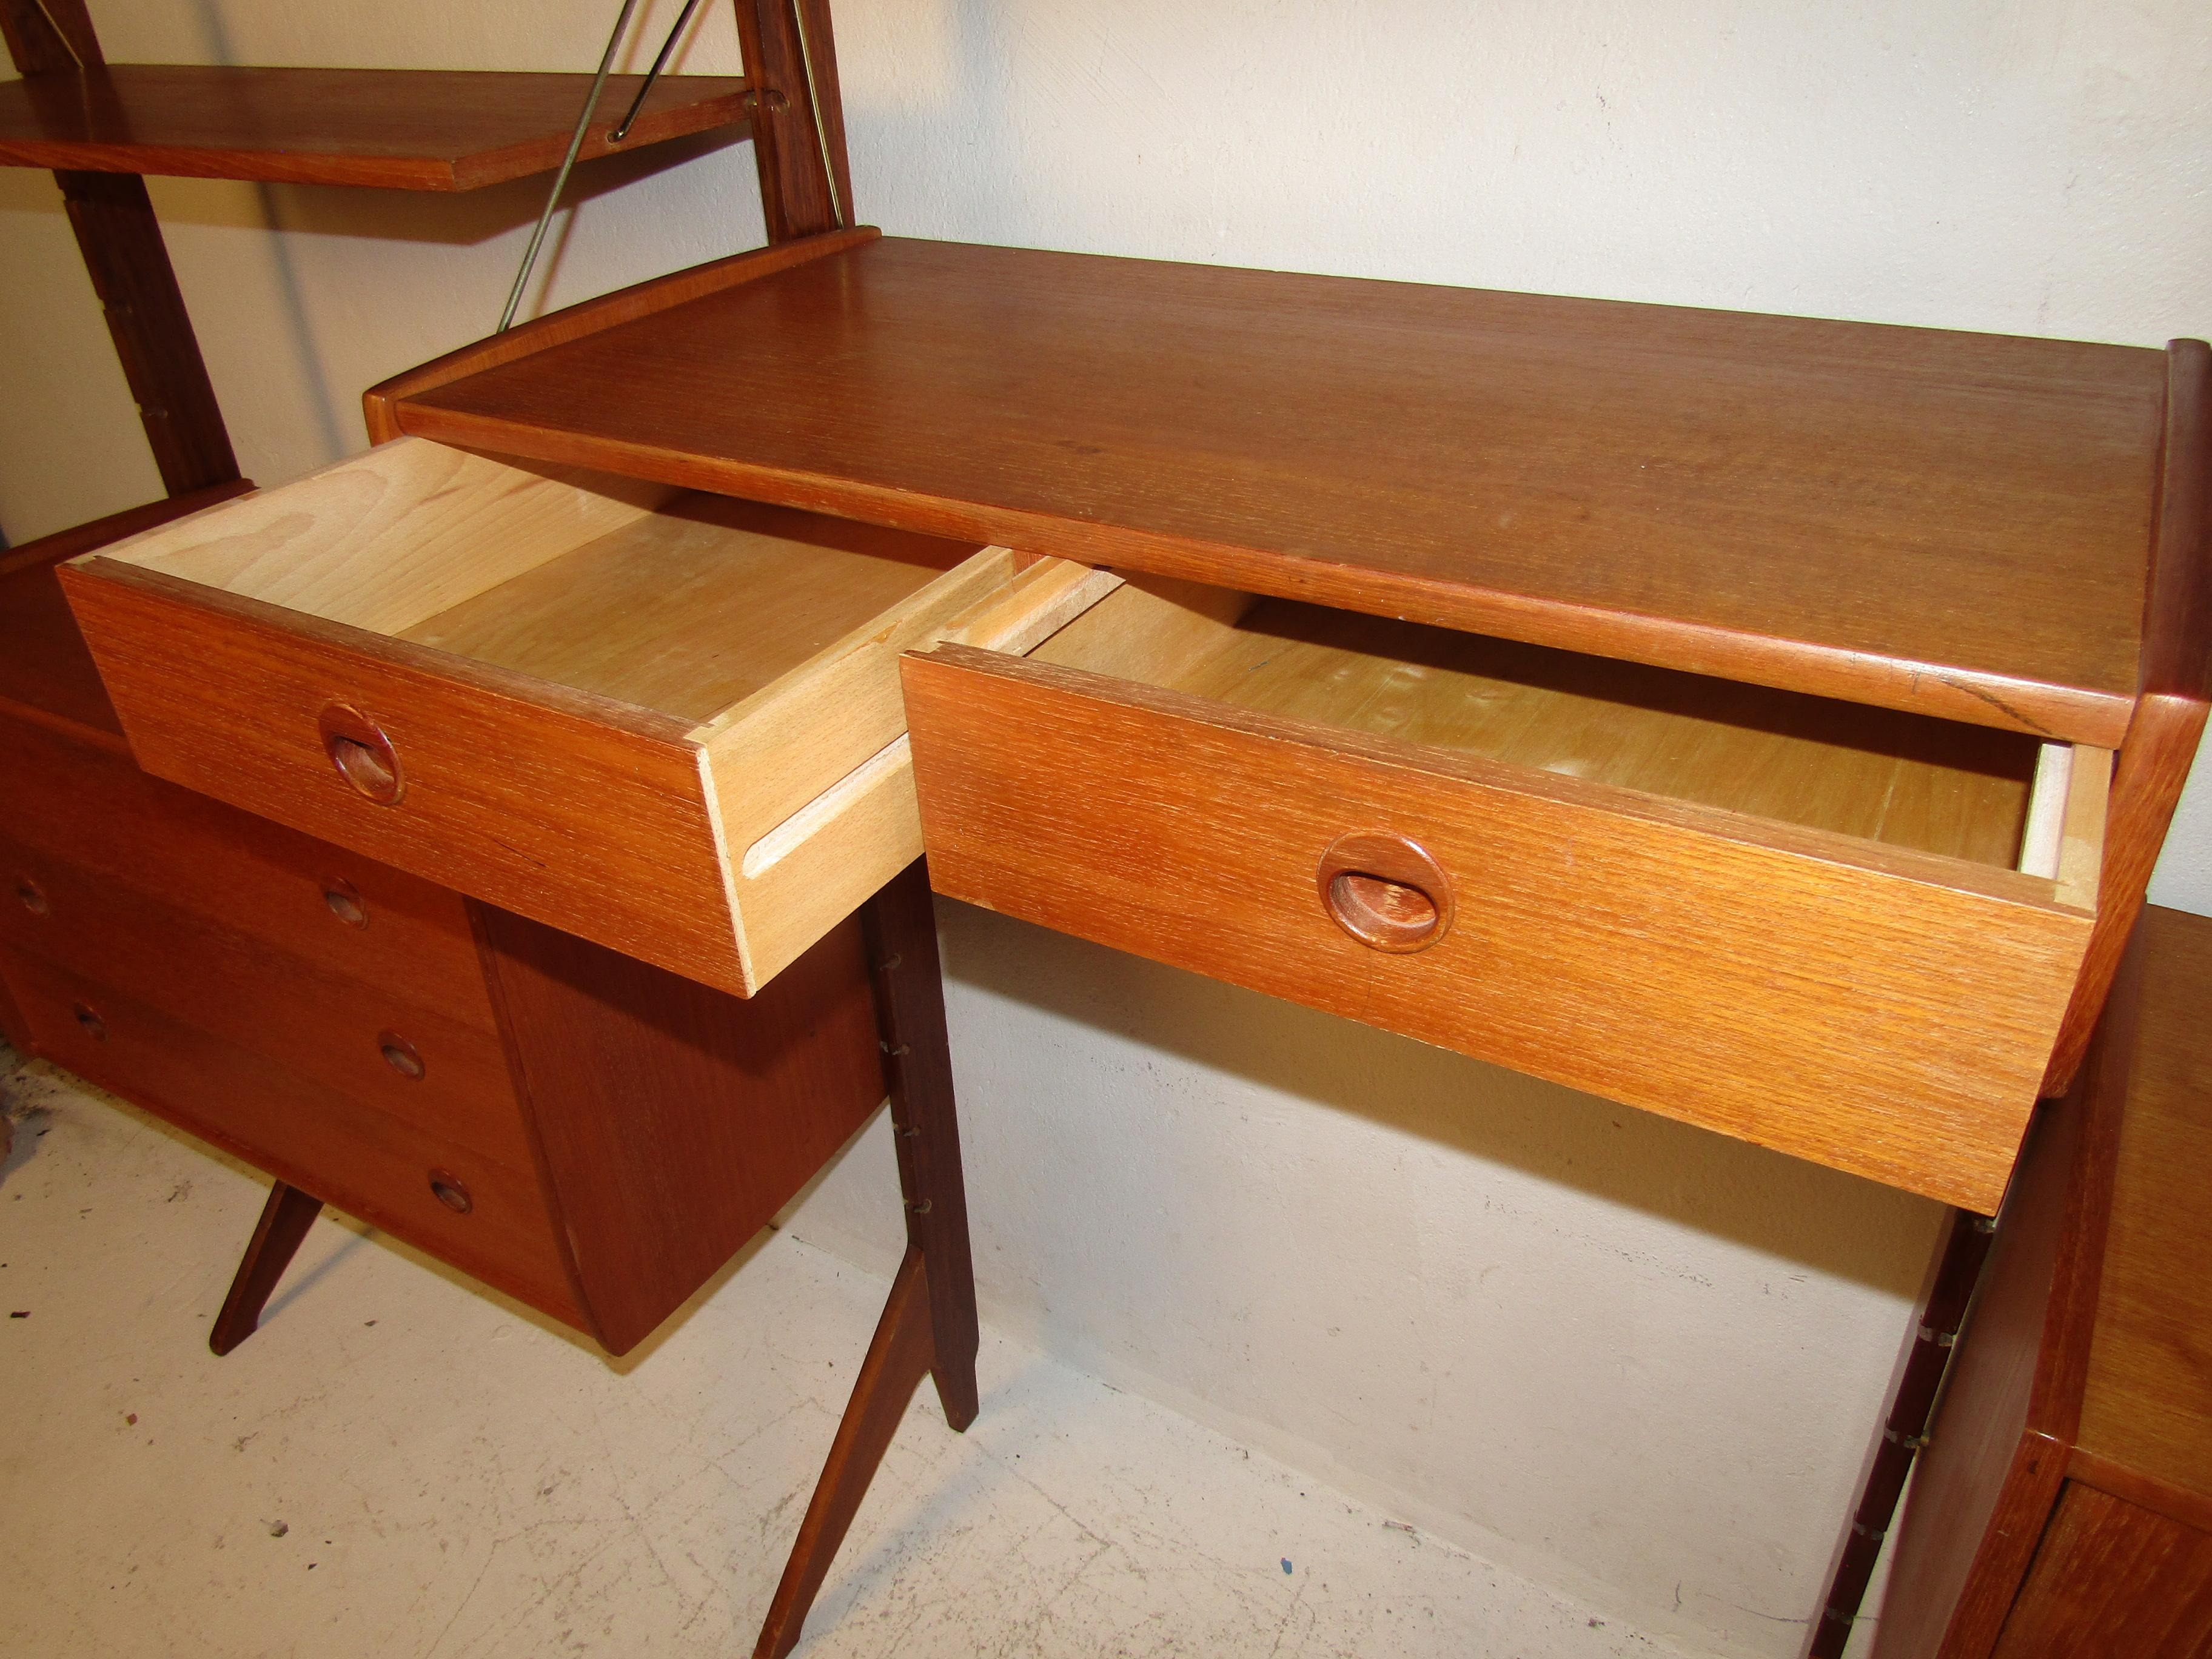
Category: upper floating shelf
[398,129]
[1954,524]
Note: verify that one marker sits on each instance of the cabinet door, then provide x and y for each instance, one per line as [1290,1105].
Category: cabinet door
[2112,1580]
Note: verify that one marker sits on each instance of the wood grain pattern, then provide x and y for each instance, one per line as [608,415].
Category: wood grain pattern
[94,812]
[385,540]
[379,403]
[693,608]
[1877,1010]
[675,1120]
[46,674]
[2147,1400]
[578,810]
[359,1160]
[432,129]
[2114,1581]
[899,1356]
[302,1012]
[1985,1483]
[720,670]
[1668,486]
[2085,1356]
[2169,717]
[2189,1505]
[121,244]
[285,1219]
[796,194]
[1957,790]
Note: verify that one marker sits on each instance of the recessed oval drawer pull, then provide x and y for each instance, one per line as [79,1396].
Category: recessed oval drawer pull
[32,897]
[345,902]
[95,1026]
[401,1055]
[449,1193]
[1385,890]
[362,754]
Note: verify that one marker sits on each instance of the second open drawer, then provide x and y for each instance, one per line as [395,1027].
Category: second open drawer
[1800,923]
[666,721]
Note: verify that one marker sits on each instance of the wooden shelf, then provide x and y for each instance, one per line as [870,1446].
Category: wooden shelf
[398,129]
[1954,524]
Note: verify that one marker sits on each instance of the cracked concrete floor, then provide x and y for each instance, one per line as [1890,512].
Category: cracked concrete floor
[400,1463]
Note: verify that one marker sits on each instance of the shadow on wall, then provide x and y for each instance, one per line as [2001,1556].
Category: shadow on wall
[1835,1224]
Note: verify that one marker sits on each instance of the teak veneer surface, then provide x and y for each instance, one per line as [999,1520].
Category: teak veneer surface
[2147,1401]
[694,608]
[401,129]
[1951,523]
[1911,781]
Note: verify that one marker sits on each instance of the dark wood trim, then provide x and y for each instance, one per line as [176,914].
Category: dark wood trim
[795,197]
[929,1323]
[123,254]
[381,402]
[277,1236]
[13,1026]
[900,926]
[898,1356]
[129,265]
[50,37]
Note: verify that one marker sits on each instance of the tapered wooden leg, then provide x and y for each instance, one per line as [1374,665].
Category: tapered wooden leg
[284,1222]
[900,927]
[899,1359]
[928,1326]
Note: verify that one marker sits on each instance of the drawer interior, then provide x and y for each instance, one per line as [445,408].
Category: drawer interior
[679,602]
[667,721]
[1907,781]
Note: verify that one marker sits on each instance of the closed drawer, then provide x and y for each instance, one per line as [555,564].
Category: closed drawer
[1796,921]
[492,1221]
[667,722]
[383,1044]
[66,802]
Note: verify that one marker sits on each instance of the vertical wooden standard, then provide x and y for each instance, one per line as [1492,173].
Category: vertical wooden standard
[928,1325]
[798,116]
[276,1238]
[129,265]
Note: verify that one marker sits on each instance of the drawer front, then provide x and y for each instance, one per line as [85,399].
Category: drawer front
[585,813]
[1880,1011]
[362,1161]
[388,1051]
[66,803]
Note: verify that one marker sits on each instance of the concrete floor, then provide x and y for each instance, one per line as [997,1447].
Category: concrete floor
[401,1464]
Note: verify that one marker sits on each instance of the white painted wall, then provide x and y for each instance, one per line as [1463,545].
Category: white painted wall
[1636,1359]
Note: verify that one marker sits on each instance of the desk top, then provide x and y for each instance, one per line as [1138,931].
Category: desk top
[1952,523]
[439,130]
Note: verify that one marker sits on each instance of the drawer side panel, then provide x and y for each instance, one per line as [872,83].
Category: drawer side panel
[1862,1015]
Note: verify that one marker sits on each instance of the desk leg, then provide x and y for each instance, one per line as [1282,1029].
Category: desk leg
[928,1325]
[284,1222]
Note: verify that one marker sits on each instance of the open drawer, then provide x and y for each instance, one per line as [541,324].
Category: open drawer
[1801,922]
[666,721]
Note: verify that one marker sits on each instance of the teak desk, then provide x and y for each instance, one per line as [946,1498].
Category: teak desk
[1768,722]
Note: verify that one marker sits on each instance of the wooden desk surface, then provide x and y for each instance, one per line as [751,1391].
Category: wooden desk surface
[1952,523]
[2147,1403]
